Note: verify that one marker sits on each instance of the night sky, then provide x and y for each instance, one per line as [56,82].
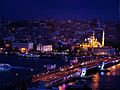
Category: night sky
[60,9]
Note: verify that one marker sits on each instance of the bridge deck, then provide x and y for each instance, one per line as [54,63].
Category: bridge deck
[51,77]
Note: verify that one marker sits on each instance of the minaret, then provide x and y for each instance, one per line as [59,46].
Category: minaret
[93,37]
[103,38]
[93,41]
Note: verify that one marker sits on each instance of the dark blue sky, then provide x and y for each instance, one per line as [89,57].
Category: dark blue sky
[81,9]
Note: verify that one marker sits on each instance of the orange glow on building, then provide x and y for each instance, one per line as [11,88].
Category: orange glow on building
[23,50]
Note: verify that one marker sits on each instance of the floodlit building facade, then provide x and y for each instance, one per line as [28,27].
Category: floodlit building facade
[44,48]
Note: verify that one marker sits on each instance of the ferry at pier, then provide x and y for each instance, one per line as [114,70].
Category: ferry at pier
[29,55]
[5,67]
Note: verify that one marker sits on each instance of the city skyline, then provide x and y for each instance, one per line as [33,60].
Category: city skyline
[61,9]
[59,44]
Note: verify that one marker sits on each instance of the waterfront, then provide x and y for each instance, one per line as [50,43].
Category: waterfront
[36,63]
[27,67]
[102,81]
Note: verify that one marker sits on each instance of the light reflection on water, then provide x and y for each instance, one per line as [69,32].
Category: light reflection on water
[109,80]
[62,87]
[95,81]
[115,70]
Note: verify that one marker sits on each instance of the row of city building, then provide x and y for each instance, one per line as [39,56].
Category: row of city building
[49,35]
[91,46]
[67,31]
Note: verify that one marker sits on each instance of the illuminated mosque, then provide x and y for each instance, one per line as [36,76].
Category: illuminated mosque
[91,44]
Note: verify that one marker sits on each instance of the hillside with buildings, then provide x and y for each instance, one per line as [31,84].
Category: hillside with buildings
[61,34]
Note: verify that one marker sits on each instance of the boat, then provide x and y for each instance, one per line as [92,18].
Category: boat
[29,55]
[104,70]
[53,56]
[32,55]
[80,85]
[74,61]
[5,67]
[87,77]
